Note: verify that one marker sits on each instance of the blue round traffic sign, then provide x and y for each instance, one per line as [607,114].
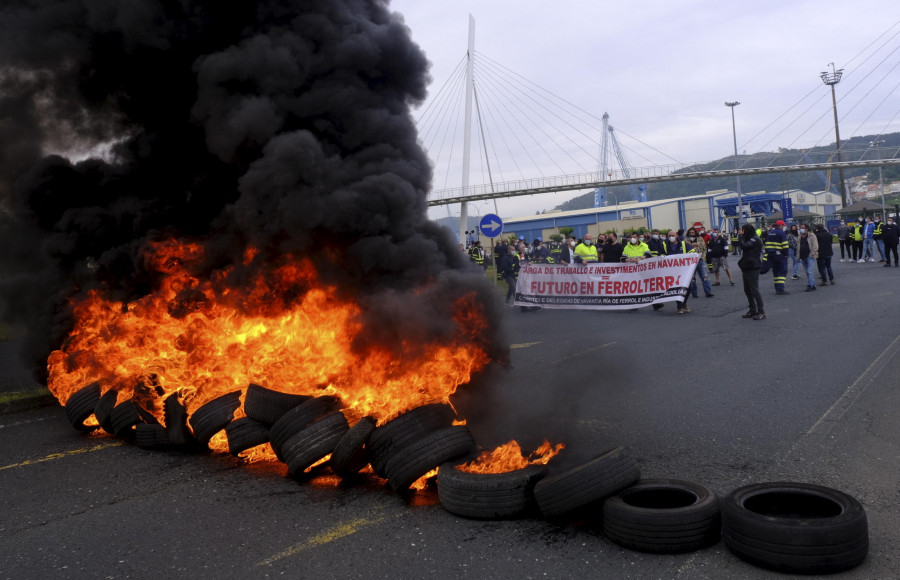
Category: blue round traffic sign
[491,225]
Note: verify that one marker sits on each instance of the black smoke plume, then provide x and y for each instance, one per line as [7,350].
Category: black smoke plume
[281,125]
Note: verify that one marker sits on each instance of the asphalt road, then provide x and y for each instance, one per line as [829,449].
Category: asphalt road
[810,394]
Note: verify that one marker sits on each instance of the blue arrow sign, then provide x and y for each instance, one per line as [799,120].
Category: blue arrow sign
[491,225]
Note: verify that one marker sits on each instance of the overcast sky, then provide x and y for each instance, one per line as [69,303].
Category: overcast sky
[663,69]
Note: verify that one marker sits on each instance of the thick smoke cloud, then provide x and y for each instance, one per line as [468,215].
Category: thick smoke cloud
[279,125]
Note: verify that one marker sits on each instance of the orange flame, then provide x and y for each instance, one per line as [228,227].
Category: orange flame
[509,457]
[203,339]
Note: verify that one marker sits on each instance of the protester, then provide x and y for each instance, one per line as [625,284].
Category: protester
[843,234]
[792,236]
[586,251]
[509,268]
[699,247]
[567,254]
[808,252]
[868,241]
[676,246]
[636,250]
[656,244]
[878,236]
[891,238]
[856,237]
[826,251]
[776,256]
[717,252]
[612,249]
[750,264]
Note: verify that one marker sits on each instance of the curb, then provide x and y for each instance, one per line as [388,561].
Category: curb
[26,401]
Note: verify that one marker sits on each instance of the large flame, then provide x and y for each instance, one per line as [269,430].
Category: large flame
[509,457]
[202,339]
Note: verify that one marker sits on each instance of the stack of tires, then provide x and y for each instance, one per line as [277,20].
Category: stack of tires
[789,527]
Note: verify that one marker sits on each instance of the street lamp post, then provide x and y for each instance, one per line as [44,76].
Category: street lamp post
[831,79]
[732,105]
[876,144]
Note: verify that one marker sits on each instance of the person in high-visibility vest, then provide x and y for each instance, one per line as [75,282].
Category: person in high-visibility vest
[635,250]
[776,254]
[676,246]
[586,251]
[878,236]
[856,236]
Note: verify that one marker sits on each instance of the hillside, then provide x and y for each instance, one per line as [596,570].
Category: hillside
[773,182]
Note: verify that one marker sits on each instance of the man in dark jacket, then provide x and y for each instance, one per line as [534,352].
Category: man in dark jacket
[509,269]
[891,237]
[826,251]
[676,246]
[750,264]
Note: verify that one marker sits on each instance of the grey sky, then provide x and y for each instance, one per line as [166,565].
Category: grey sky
[663,69]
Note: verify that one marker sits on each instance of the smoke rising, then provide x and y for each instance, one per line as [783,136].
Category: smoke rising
[280,126]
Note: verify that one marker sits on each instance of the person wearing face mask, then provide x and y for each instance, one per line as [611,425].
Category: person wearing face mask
[856,238]
[636,250]
[586,251]
[567,253]
[843,234]
[878,236]
[793,235]
[676,246]
[891,236]
[809,253]
[868,241]
[717,252]
[776,256]
[656,244]
[699,246]
[826,251]
[612,249]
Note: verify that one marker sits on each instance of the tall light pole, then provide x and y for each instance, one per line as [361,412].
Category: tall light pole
[876,144]
[732,105]
[831,79]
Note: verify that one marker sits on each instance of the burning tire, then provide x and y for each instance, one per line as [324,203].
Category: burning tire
[245,433]
[611,472]
[407,427]
[176,421]
[799,528]
[350,454]
[314,443]
[153,436]
[298,419]
[103,410]
[212,417]
[663,516]
[123,418]
[267,406]
[488,495]
[410,463]
[81,405]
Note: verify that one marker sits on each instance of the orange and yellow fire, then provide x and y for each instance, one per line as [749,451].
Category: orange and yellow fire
[509,457]
[201,339]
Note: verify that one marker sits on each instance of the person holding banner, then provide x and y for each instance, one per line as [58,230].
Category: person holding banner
[636,250]
[566,255]
[586,251]
[676,246]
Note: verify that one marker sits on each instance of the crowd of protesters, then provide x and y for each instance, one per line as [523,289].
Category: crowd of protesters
[800,246]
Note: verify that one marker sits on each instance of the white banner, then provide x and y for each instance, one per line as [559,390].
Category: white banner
[606,286]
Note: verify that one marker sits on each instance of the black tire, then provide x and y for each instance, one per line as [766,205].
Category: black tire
[176,418]
[488,495]
[599,478]
[245,433]
[799,528]
[314,442]
[213,416]
[103,410]
[123,418]
[396,434]
[151,436]
[298,419]
[410,463]
[350,453]
[663,516]
[267,406]
[81,405]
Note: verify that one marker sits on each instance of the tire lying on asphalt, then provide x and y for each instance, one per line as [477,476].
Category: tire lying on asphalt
[151,436]
[313,443]
[409,463]
[663,516]
[267,406]
[488,495]
[213,416]
[799,528]
[298,419]
[175,416]
[103,410]
[576,487]
[81,405]
[245,433]
[397,433]
[350,454]
[123,419]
